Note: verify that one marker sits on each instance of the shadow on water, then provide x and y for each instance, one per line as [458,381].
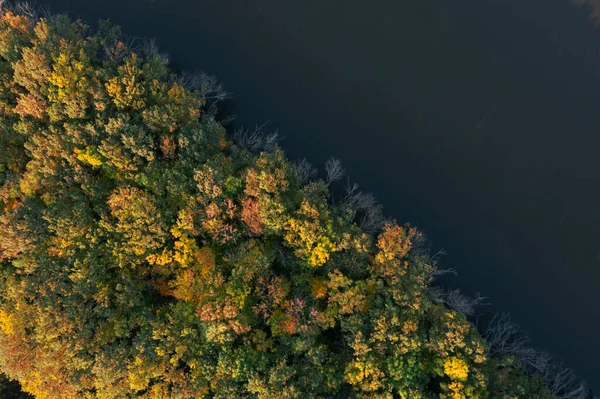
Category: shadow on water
[476,122]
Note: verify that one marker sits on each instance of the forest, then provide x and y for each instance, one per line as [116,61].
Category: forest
[147,251]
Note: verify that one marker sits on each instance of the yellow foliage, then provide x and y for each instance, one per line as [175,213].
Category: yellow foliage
[320,254]
[364,374]
[218,333]
[456,368]
[186,251]
[126,90]
[451,332]
[6,322]
[359,372]
[161,259]
[183,286]
[88,157]
[65,75]
[33,384]
[456,389]
[311,237]
[137,382]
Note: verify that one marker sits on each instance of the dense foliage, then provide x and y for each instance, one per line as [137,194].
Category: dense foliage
[145,253]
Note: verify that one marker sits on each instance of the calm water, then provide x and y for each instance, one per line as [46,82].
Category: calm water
[476,120]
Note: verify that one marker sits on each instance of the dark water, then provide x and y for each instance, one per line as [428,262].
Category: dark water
[476,120]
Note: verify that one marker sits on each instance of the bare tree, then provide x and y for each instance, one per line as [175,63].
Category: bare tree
[256,140]
[368,212]
[372,219]
[142,46]
[207,85]
[443,272]
[462,303]
[357,200]
[421,246]
[27,9]
[441,252]
[564,383]
[304,171]
[24,8]
[540,362]
[226,120]
[506,338]
[334,170]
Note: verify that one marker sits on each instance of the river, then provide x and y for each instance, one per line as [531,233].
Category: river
[476,120]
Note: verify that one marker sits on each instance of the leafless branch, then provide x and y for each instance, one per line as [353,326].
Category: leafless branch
[564,383]
[462,303]
[540,362]
[334,170]
[256,140]
[208,86]
[27,9]
[422,246]
[142,46]
[358,200]
[439,254]
[505,337]
[372,219]
[443,272]
[304,171]
[226,120]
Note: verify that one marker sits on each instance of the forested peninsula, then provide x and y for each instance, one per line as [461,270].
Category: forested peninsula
[148,252]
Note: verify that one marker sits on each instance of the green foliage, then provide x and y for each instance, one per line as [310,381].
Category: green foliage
[146,255]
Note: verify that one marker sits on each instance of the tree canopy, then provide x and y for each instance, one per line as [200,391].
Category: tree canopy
[147,253]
